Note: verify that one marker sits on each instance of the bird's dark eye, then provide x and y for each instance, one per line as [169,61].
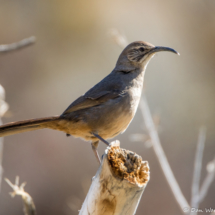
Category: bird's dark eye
[141,49]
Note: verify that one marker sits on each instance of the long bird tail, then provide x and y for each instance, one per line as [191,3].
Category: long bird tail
[26,125]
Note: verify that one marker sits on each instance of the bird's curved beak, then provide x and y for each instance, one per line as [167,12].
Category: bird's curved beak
[161,48]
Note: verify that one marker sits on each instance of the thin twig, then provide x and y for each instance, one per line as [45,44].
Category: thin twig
[18,45]
[207,181]
[118,38]
[161,156]
[197,169]
[29,207]
[3,108]
[1,157]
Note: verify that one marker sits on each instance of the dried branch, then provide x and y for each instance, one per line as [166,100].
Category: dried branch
[197,169]
[161,155]
[3,105]
[118,38]
[118,185]
[1,157]
[18,45]
[207,181]
[3,109]
[29,207]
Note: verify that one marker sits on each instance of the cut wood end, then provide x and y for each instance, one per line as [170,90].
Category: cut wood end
[115,143]
[129,166]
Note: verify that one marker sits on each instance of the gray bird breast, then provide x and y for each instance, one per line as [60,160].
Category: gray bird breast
[114,116]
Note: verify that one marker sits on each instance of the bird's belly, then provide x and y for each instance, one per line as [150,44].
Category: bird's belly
[115,126]
[117,118]
[107,120]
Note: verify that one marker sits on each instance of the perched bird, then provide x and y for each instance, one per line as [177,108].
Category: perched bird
[106,109]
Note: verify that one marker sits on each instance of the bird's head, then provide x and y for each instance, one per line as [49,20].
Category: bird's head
[138,54]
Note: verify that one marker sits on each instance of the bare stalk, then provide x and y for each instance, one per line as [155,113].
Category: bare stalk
[182,202]
[29,207]
[18,45]
[197,169]
[3,109]
[207,181]
[118,38]
[1,157]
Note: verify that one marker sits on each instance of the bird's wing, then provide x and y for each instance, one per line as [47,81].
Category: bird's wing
[108,88]
[92,99]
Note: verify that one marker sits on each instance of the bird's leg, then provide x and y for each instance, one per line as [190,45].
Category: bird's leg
[94,147]
[100,138]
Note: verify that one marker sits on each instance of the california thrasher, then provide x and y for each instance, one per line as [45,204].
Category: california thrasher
[106,109]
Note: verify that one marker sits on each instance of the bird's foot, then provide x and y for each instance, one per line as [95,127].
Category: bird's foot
[94,147]
[100,138]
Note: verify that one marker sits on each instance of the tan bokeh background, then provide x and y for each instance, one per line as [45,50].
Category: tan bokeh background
[73,52]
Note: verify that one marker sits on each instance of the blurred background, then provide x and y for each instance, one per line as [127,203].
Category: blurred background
[73,52]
